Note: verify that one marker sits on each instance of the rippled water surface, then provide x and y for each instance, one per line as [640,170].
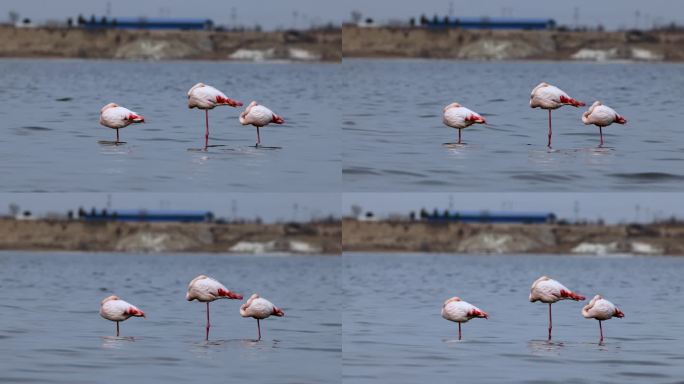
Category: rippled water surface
[393,131]
[50,127]
[50,329]
[393,331]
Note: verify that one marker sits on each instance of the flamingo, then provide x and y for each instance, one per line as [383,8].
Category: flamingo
[601,116]
[459,117]
[116,117]
[460,311]
[549,291]
[206,97]
[546,96]
[259,116]
[259,308]
[601,309]
[114,309]
[205,289]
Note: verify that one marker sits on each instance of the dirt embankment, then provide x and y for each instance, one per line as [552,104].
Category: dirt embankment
[62,235]
[387,236]
[315,45]
[394,42]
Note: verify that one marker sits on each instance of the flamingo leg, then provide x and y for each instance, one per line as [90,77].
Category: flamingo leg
[117,135]
[459,331]
[459,139]
[206,133]
[601,133]
[117,329]
[601,331]
[550,133]
[208,323]
[550,322]
[258,138]
[258,330]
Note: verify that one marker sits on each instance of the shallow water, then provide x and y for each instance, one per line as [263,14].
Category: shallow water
[393,131]
[50,329]
[393,331]
[50,127]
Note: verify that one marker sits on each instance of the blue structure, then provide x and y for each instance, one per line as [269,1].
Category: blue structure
[149,216]
[491,217]
[150,23]
[491,23]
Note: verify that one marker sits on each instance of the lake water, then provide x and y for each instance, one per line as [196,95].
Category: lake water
[393,131]
[50,127]
[51,332]
[393,331]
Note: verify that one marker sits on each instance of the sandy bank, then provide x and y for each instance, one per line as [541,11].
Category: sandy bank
[398,42]
[387,236]
[313,238]
[318,45]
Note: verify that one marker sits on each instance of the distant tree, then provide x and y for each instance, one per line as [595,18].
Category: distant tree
[13,17]
[70,22]
[81,20]
[412,21]
[14,209]
[423,19]
[446,20]
[92,19]
[356,17]
[103,20]
[435,20]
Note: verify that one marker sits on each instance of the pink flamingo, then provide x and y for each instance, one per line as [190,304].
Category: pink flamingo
[601,116]
[116,117]
[259,308]
[549,291]
[601,309]
[114,309]
[459,311]
[459,117]
[259,116]
[205,289]
[547,96]
[206,97]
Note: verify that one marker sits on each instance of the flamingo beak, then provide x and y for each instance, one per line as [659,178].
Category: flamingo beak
[278,312]
[234,103]
[620,120]
[277,119]
[619,314]
[234,295]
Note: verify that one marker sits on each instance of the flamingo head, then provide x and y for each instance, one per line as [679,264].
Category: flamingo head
[478,313]
[277,119]
[452,105]
[618,313]
[278,312]
[620,120]
[477,119]
[110,105]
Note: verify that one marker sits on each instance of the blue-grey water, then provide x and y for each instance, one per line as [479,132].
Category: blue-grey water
[50,127]
[51,332]
[393,331]
[393,131]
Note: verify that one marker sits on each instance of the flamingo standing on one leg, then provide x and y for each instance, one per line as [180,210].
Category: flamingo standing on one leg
[114,309]
[116,117]
[459,311]
[259,308]
[601,116]
[205,289]
[549,291]
[547,96]
[259,116]
[459,117]
[206,97]
[601,309]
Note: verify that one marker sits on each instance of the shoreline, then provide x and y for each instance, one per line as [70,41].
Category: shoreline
[513,45]
[322,45]
[319,238]
[483,238]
